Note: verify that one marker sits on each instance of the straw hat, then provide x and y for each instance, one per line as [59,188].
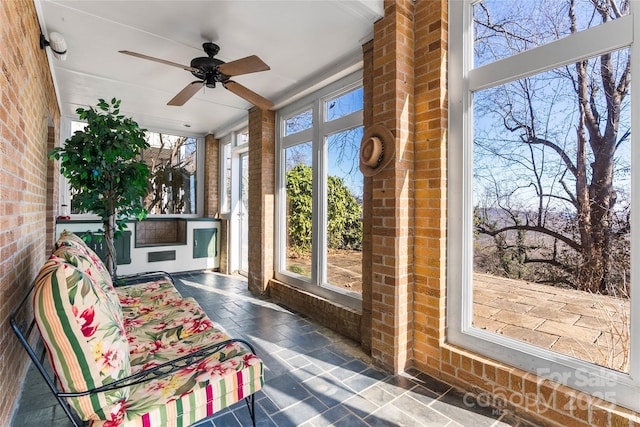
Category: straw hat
[377,149]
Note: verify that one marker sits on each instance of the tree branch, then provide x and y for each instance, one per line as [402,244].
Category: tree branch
[563,155]
[566,240]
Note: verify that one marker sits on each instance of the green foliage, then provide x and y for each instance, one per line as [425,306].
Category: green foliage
[104,168]
[102,163]
[344,228]
[299,195]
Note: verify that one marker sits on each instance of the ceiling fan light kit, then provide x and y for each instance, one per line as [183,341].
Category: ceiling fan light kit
[210,70]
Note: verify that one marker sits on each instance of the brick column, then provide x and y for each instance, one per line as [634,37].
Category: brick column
[430,184]
[367,205]
[53,189]
[392,199]
[211,176]
[261,198]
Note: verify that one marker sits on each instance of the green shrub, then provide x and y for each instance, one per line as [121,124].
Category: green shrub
[344,227]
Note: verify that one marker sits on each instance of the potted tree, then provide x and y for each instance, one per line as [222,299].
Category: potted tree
[104,166]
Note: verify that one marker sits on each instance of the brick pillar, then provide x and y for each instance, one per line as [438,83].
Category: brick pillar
[392,199]
[261,198]
[367,210]
[53,189]
[211,176]
[430,183]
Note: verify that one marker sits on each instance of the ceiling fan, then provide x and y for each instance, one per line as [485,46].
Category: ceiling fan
[210,70]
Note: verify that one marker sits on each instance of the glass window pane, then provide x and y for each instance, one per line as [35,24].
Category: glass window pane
[242,137]
[552,197]
[345,104]
[299,185]
[172,162]
[503,28]
[344,211]
[298,123]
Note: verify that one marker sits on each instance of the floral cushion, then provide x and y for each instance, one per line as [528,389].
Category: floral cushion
[194,392]
[85,339]
[71,240]
[145,297]
[84,262]
[165,325]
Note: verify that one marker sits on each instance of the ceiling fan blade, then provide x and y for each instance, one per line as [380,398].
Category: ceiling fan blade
[250,64]
[185,94]
[162,61]
[248,95]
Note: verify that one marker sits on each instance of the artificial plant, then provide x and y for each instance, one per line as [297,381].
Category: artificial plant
[103,163]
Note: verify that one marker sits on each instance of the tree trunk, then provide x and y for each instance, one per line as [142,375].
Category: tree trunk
[110,259]
[596,199]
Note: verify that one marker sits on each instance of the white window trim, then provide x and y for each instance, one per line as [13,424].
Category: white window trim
[317,136]
[610,385]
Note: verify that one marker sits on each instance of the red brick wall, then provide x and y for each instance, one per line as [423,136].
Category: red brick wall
[27,102]
[344,320]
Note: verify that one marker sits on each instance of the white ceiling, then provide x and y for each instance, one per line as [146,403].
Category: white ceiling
[306,44]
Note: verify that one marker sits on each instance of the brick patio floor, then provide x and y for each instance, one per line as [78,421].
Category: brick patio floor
[590,327]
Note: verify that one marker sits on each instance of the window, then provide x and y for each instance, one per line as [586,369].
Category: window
[540,236]
[242,137]
[319,216]
[172,162]
[174,168]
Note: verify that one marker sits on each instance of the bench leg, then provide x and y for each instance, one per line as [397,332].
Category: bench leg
[252,408]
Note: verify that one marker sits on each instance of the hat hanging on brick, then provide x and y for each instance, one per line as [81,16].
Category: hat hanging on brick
[377,149]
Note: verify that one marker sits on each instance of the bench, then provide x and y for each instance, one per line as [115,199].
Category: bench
[135,354]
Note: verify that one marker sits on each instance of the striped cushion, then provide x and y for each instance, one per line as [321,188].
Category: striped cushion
[85,340]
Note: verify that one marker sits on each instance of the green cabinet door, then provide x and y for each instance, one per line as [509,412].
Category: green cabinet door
[122,244]
[205,242]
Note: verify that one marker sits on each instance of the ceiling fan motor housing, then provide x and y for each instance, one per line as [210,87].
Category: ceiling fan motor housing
[208,66]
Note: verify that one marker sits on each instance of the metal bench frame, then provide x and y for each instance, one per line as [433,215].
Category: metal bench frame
[23,330]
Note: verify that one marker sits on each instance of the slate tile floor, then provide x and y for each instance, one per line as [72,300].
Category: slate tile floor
[314,377]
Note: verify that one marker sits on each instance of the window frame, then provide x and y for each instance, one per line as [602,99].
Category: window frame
[317,134]
[64,197]
[610,385]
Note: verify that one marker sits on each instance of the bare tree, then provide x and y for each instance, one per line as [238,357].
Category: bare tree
[170,172]
[571,131]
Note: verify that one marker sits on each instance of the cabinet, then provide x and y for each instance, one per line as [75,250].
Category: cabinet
[122,244]
[205,242]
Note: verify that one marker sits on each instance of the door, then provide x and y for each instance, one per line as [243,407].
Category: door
[243,217]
